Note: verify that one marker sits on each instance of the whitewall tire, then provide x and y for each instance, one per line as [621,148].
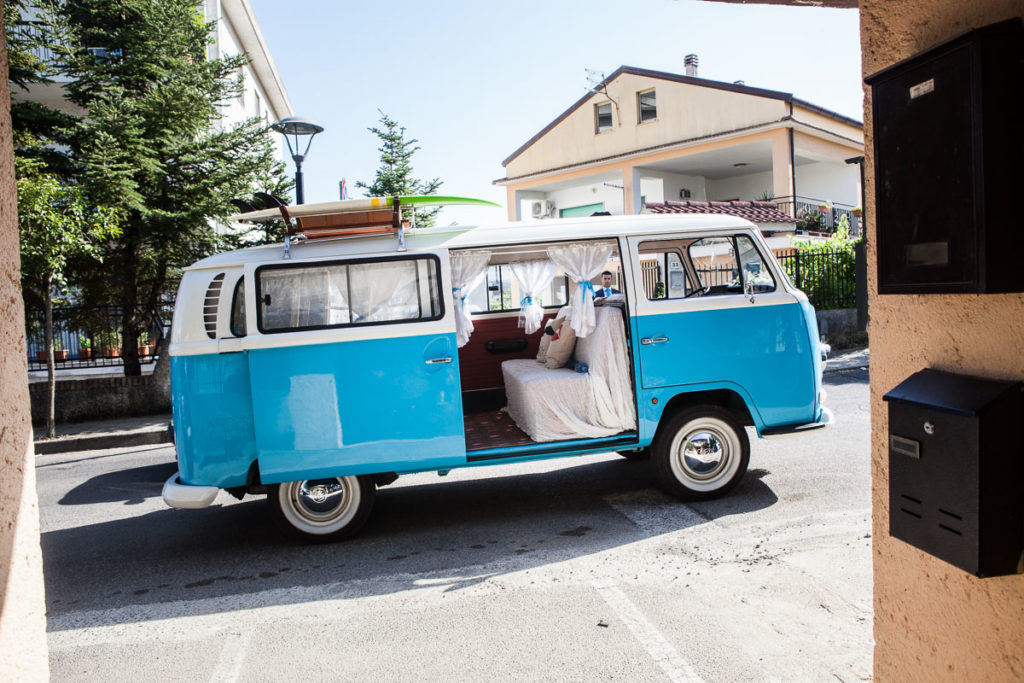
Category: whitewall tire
[700,452]
[328,509]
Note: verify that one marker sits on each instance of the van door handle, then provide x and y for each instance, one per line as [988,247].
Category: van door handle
[432,361]
[653,340]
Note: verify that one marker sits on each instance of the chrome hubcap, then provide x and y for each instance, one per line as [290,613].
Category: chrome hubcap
[321,500]
[703,454]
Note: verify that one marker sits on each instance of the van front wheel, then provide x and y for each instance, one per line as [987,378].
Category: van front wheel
[700,453]
[321,510]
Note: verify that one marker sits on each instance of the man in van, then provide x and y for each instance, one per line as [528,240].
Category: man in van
[606,288]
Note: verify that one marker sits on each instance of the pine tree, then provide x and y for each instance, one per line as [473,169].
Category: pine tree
[394,177]
[151,144]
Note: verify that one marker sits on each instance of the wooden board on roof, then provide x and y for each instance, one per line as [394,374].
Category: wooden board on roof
[357,206]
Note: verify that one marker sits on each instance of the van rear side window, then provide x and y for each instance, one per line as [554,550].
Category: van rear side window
[348,293]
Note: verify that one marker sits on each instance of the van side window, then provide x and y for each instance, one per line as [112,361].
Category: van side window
[725,264]
[496,293]
[755,270]
[238,309]
[714,261]
[663,273]
[349,293]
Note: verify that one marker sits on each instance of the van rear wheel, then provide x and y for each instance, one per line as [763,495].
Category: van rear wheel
[700,453]
[322,510]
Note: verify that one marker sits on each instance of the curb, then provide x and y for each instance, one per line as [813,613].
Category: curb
[95,442]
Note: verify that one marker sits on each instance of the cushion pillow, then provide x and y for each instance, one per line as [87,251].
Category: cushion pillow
[561,346]
[545,341]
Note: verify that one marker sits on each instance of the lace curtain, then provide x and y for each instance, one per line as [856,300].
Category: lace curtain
[468,268]
[582,263]
[383,291]
[533,277]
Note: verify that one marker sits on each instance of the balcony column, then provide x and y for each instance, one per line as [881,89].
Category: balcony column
[783,184]
[630,190]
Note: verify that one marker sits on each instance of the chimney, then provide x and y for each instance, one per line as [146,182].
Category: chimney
[690,61]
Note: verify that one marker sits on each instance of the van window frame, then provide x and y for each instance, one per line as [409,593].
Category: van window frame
[257,282]
[235,300]
[569,282]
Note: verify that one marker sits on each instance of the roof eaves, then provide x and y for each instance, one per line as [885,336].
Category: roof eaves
[810,106]
[561,117]
[649,73]
[647,150]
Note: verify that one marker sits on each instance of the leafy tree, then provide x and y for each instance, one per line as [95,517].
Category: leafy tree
[152,145]
[56,221]
[394,177]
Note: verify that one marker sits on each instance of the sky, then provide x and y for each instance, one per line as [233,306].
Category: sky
[472,81]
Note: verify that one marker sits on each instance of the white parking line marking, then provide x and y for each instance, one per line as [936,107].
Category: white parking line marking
[232,657]
[657,646]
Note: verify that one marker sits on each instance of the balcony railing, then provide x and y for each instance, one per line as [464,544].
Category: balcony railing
[822,212]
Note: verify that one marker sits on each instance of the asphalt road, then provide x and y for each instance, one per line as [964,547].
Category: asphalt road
[572,569]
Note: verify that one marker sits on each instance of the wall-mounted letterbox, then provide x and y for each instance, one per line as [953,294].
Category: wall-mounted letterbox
[956,469]
[949,165]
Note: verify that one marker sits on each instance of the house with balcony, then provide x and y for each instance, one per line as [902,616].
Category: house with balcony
[237,31]
[643,137]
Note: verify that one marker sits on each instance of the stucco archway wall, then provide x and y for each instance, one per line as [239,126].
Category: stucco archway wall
[22,610]
[932,621]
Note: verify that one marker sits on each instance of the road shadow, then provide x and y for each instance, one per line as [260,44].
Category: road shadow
[131,486]
[853,376]
[459,532]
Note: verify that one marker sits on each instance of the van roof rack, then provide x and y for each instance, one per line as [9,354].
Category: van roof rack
[347,218]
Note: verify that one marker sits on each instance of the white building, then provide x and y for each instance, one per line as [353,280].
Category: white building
[643,136]
[236,31]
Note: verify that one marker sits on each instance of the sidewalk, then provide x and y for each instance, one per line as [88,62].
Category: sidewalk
[847,359]
[97,434]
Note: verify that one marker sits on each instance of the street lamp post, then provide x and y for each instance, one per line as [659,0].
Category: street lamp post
[293,128]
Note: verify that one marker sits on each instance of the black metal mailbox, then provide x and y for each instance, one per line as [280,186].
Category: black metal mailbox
[956,469]
[949,165]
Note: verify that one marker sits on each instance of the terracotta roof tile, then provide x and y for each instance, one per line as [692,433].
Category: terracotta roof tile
[755,212]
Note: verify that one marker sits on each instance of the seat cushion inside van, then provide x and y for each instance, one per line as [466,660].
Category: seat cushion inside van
[559,404]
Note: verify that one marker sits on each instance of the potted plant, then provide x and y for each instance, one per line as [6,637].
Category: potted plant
[110,343]
[145,345]
[84,347]
[59,352]
[857,211]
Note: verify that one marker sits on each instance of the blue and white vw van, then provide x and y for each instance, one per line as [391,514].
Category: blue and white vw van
[318,373]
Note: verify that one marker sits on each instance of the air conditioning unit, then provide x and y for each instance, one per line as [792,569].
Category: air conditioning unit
[542,209]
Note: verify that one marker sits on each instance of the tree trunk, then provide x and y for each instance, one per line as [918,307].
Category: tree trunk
[130,341]
[129,319]
[51,368]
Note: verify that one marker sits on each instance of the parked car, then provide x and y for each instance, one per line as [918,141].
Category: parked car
[317,373]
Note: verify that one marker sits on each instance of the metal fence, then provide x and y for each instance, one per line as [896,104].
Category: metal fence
[828,279]
[90,336]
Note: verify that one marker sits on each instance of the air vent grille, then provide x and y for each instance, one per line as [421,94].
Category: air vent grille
[211,304]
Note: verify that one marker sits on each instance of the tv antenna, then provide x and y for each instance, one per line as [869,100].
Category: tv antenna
[599,86]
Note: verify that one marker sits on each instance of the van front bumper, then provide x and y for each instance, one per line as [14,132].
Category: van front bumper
[178,495]
[824,422]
